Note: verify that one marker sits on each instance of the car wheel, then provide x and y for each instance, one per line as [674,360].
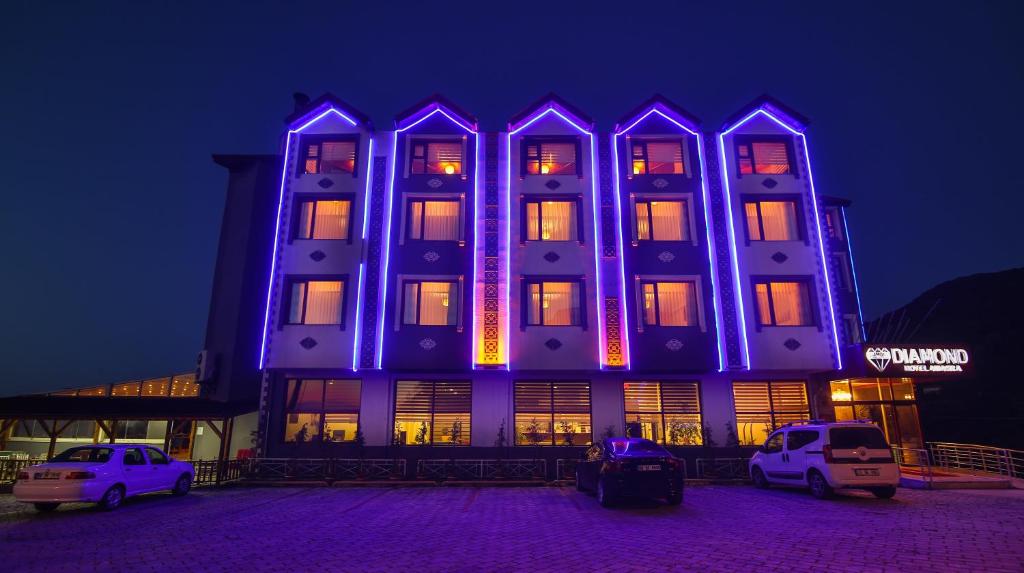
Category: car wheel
[112,499]
[819,487]
[884,492]
[758,477]
[46,507]
[604,495]
[579,483]
[182,486]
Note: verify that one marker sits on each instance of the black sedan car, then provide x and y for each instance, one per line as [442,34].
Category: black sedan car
[630,467]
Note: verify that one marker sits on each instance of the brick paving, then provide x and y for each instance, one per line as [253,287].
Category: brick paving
[718,528]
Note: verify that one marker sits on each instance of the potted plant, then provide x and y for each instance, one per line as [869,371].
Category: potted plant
[500,443]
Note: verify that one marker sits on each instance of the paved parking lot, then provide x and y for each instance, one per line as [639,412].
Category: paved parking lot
[718,528]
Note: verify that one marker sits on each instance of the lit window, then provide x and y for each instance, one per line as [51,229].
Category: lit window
[125,389]
[323,219]
[552,413]
[842,272]
[669,304]
[662,221]
[316,302]
[657,157]
[555,157]
[155,387]
[326,156]
[762,157]
[664,412]
[784,303]
[429,303]
[321,410]
[436,157]
[551,221]
[433,412]
[184,386]
[772,220]
[554,303]
[763,407]
[433,220]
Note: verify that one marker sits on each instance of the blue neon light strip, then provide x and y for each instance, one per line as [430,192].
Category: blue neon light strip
[362,263]
[853,271]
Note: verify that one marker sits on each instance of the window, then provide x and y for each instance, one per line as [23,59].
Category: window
[436,157]
[552,303]
[30,429]
[833,223]
[657,157]
[329,156]
[550,156]
[155,387]
[433,412]
[797,439]
[784,303]
[430,303]
[761,407]
[316,301]
[156,457]
[842,270]
[323,219]
[433,220]
[669,304]
[662,220]
[773,444]
[321,410]
[851,322]
[552,413]
[664,412]
[763,156]
[772,221]
[551,220]
[124,390]
[133,457]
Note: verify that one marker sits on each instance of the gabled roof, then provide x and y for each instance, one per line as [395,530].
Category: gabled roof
[551,101]
[323,103]
[430,104]
[779,110]
[662,104]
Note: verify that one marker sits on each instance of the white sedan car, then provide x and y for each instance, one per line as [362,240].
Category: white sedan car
[103,474]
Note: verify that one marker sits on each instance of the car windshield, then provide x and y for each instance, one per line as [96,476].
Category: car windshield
[623,446]
[91,455]
[852,438]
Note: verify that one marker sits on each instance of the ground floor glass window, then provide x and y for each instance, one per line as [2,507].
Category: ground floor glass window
[321,410]
[433,412]
[888,402]
[763,407]
[552,413]
[664,412]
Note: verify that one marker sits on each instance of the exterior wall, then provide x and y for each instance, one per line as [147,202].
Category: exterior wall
[841,267]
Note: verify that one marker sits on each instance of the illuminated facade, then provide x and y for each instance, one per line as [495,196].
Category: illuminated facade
[435,284]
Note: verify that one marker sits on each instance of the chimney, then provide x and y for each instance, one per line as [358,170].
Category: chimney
[301,101]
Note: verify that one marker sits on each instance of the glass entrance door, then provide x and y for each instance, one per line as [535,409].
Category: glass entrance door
[888,402]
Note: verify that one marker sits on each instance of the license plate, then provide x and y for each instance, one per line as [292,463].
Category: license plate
[649,468]
[48,475]
[865,472]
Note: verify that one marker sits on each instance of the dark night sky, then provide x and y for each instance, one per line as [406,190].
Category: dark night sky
[111,204]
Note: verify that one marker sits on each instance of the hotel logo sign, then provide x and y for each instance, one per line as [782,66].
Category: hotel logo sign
[915,360]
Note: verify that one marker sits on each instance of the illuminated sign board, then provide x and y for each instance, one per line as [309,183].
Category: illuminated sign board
[923,360]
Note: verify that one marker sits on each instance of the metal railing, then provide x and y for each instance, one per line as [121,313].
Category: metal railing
[481,469]
[565,469]
[723,468]
[9,468]
[916,460]
[214,471]
[975,458]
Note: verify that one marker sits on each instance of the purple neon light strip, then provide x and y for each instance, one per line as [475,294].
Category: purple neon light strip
[387,232]
[817,217]
[362,264]
[623,312]
[716,306]
[853,271]
[476,233]
[602,336]
[277,224]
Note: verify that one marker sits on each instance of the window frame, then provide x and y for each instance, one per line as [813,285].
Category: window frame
[772,412]
[809,284]
[291,280]
[526,200]
[685,198]
[750,139]
[433,411]
[643,281]
[757,199]
[661,409]
[426,140]
[834,227]
[524,306]
[684,150]
[301,198]
[322,411]
[550,414]
[404,280]
[408,219]
[540,140]
[305,141]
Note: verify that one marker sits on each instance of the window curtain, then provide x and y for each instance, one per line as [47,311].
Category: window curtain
[558,159]
[437,304]
[412,298]
[791,304]
[669,220]
[559,220]
[533,221]
[306,220]
[440,221]
[677,304]
[779,220]
[444,158]
[331,219]
[753,226]
[338,157]
[650,307]
[534,317]
[770,157]
[560,304]
[764,312]
[664,157]
[298,300]
[323,302]
[643,226]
